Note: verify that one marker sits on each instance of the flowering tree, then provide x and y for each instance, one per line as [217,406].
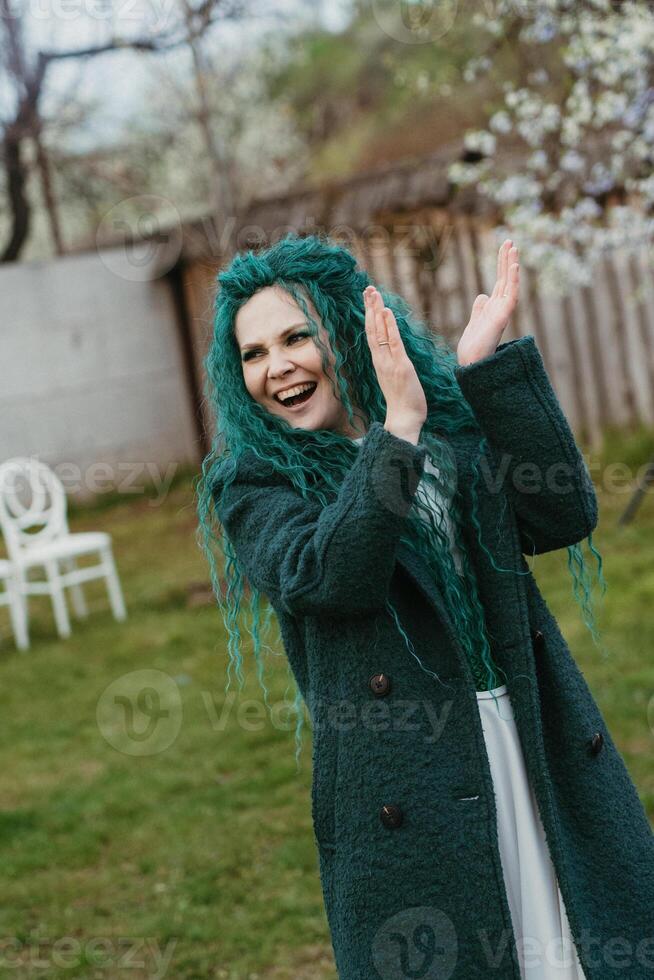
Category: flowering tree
[573,132]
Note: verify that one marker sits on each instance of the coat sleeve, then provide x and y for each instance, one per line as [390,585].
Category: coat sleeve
[334,559]
[538,462]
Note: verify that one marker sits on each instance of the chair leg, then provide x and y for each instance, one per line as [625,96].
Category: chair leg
[18,614]
[58,599]
[77,595]
[113,585]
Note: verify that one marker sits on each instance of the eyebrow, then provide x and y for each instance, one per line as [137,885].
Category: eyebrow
[283,334]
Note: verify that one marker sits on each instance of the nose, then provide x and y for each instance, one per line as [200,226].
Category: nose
[279,364]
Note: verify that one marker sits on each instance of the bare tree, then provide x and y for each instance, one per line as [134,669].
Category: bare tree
[29,73]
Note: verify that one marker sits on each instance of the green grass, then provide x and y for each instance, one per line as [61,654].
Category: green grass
[207,843]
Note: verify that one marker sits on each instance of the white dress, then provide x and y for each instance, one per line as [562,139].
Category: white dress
[544,942]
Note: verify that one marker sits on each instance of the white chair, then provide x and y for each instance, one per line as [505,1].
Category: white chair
[35,526]
[11,596]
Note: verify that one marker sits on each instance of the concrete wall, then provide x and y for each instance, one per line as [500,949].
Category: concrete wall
[92,371]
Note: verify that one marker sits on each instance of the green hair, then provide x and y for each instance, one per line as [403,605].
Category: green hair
[315,269]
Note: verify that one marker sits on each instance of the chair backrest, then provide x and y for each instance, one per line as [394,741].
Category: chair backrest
[32,505]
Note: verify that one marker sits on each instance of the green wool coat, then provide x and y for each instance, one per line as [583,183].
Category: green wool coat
[402,794]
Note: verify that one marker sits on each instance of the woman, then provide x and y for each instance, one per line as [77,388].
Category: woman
[472,814]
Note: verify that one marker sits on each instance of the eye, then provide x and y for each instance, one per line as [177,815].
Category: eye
[298,333]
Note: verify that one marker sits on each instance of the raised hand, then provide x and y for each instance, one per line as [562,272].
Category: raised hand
[490,314]
[406,404]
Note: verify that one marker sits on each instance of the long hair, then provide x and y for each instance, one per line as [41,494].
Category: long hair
[315,462]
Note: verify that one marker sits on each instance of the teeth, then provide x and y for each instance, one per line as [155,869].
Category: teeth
[291,392]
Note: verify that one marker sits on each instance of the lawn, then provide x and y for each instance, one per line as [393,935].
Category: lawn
[195,858]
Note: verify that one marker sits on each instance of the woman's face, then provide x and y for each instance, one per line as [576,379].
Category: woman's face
[278,354]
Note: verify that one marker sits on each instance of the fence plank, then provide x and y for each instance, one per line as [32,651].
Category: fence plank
[405,259]
[640,315]
[597,383]
[583,411]
[538,330]
[623,377]
[637,352]
[464,290]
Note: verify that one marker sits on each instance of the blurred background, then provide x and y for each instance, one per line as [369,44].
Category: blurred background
[151,821]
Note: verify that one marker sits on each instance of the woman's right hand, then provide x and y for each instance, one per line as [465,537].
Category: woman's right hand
[406,405]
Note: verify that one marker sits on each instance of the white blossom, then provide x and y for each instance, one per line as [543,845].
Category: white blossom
[501,122]
[600,180]
[572,160]
[551,117]
[463,173]
[538,77]
[476,67]
[642,149]
[517,187]
[621,139]
[600,137]
[644,187]
[538,161]
[609,106]
[570,131]
[587,207]
[543,29]
[648,125]
[480,140]
[579,102]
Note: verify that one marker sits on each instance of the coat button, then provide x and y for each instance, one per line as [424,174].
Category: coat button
[537,641]
[596,743]
[380,684]
[391,816]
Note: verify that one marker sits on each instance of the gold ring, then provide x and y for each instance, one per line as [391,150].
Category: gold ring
[384,343]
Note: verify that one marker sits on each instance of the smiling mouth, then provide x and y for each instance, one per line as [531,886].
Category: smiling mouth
[301,399]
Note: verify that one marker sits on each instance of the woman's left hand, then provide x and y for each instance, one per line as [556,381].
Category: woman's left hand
[490,314]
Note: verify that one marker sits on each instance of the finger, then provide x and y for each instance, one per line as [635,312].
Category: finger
[477,307]
[370,321]
[498,270]
[392,330]
[510,280]
[381,327]
[380,322]
[375,325]
[502,268]
[498,264]
[498,276]
[513,284]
